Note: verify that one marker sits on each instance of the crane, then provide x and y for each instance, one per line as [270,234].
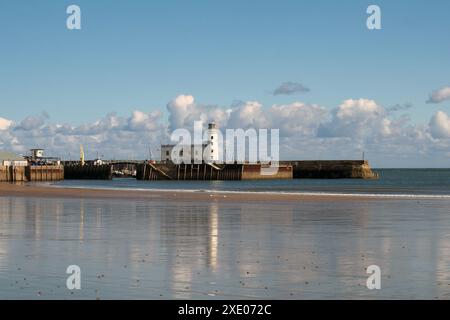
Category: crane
[81,155]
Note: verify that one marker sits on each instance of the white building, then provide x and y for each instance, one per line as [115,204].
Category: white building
[188,152]
[208,151]
[37,153]
[213,141]
[11,159]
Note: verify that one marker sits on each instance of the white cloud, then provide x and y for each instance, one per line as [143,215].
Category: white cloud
[356,118]
[440,95]
[247,115]
[144,121]
[440,125]
[31,122]
[179,108]
[5,123]
[113,136]
[310,131]
[307,131]
[183,111]
[297,118]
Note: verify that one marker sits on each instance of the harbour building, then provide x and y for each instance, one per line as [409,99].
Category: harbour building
[208,151]
[11,159]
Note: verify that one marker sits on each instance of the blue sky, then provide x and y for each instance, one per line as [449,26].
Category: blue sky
[138,55]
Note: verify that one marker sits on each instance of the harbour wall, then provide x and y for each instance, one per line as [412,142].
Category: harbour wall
[31,173]
[312,169]
[308,169]
[263,172]
[204,171]
[332,169]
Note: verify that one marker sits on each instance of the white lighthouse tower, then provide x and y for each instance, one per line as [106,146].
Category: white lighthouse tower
[213,143]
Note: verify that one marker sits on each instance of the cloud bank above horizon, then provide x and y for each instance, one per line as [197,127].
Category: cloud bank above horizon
[307,131]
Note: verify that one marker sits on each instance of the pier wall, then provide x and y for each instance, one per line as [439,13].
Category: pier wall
[254,172]
[332,169]
[167,171]
[208,172]
[44,173]
[31,173]
[88,172]
[312,169]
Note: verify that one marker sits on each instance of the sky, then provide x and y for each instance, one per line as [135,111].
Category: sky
[313,69]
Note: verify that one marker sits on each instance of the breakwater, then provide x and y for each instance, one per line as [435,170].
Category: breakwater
[332,169]
[31,173]
[312,169]
[308,169]
[205,171]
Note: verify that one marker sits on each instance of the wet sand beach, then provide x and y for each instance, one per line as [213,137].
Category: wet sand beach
[41,190]
[202,245]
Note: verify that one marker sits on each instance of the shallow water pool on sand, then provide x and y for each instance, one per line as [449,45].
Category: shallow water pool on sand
[153,249]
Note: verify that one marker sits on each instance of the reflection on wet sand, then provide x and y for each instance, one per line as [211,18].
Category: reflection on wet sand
[214,249]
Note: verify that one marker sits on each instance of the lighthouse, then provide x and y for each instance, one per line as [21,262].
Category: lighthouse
[212,142]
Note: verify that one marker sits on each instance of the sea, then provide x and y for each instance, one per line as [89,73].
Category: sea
[312,248]
[392,183]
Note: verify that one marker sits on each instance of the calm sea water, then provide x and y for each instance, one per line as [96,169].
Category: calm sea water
[391,182]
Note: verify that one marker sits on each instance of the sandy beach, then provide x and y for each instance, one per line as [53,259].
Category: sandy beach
[148,244]
[43,190]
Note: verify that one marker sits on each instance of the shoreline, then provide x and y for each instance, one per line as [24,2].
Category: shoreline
[48,191]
